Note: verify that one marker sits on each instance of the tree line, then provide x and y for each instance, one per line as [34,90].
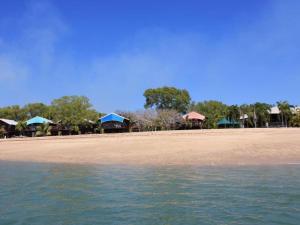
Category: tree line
[163,110]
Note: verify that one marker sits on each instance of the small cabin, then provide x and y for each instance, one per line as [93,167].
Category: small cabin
[114,123]
[33,123]
[9,127]
[194,120]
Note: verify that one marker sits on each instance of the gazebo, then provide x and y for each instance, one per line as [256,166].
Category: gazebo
[113,123]
[195,119]
[225,123]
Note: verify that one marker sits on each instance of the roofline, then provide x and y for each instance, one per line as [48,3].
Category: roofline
[115,115]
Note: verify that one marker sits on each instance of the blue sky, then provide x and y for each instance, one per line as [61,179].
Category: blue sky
[111,51]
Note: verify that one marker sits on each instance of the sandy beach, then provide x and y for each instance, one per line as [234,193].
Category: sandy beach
[197,147]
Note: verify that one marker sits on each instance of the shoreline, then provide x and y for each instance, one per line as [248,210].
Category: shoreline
[227,147]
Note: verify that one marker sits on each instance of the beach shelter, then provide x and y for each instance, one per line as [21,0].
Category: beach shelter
[112,117]
[9,127]
[38,120]
[113,122]
[225,123]
[194,119]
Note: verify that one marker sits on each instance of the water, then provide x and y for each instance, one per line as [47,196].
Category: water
[68,194]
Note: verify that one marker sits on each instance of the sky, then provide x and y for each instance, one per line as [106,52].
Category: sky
[111,51]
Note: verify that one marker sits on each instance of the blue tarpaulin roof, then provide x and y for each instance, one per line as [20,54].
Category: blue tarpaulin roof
[112,117]
[38,120]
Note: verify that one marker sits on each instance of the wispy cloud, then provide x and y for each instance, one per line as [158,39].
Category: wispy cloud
[29,58]
[238,67]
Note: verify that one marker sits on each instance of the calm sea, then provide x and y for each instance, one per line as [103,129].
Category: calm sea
[67,194]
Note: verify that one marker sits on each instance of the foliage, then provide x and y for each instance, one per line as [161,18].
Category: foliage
[21,126]
[37,109]
[73,111]
[295,120]
[213,111]
[262,114]
[14,112]
[2,131]
[285,112]
[167,98]
[43,130]
[233,113]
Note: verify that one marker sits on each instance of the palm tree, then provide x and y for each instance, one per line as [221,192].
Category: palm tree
[21,127]
[43,130]
[285,112]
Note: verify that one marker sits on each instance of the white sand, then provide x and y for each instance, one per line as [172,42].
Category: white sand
[197,147]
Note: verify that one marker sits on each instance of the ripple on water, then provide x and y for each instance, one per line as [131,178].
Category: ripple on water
[68,194]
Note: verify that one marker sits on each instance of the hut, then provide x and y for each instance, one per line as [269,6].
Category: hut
[114,123]
[244,121]
[275,117]
[34,122]
[194,120]
[8,127]
[225,123]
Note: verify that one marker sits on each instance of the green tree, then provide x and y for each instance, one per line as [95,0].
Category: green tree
[43,130]
[72,111]
[233,113]
[21,127]
[37,109]
[212,110]
[262,113]
[167,98]
[14,112]
[295,120]
[285,112]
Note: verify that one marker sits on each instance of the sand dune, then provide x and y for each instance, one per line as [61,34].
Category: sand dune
[197,147]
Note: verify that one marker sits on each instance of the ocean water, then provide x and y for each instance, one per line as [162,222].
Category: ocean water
[57,194]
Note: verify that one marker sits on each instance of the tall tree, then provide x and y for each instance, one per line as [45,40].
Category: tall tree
[262,113]
[233,113]
[212,110]
[37,109]
[167,98]
[73,111]
[285,112]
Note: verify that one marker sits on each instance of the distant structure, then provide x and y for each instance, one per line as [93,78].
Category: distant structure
[276,117]
[225,123]
[9,127]
[114,123]
[194,119]
[34,122]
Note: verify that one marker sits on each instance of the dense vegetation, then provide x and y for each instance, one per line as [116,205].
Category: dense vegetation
[163,110]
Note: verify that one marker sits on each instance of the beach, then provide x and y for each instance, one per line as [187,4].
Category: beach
[186,147]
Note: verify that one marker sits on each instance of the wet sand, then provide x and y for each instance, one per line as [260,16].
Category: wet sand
[197,147]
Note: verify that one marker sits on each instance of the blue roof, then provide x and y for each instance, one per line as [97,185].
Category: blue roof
[38,120]
[112,117]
